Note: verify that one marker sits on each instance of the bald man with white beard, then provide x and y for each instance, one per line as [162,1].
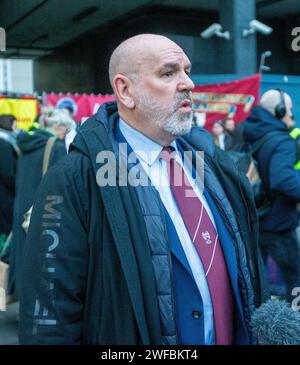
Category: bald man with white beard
[276,160]
[124,253]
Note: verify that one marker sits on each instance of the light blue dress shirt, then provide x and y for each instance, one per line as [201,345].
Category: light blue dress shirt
[147,152]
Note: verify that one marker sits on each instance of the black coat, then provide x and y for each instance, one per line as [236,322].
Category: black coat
[88,276]
[8,162]
[29,174]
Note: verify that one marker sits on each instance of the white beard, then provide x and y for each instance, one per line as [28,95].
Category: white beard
[168,121]
[178,125]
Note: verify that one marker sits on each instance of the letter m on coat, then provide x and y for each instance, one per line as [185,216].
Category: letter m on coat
[49,211]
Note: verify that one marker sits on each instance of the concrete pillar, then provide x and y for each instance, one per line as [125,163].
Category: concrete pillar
[238,55]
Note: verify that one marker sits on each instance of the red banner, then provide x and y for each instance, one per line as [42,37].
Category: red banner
[227,100]
[82,105]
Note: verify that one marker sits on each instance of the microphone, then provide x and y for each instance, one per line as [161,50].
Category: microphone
[275,323]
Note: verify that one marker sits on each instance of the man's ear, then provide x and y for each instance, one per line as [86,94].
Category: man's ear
[123,90]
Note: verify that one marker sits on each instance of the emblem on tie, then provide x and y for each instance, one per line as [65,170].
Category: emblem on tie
[206,237]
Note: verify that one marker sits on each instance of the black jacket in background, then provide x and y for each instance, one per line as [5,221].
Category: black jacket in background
[276,159]
[29,174]
[8,162]
[237,142]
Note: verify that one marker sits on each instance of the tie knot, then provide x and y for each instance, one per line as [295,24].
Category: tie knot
[166,153]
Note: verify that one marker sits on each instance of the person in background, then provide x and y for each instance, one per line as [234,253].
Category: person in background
[238,143]
[29,174]
[46,111]
[8,163]
[72,130]
[218,134]
[8,128]
[59,123]
[276,160]
[229,128]
[68,106]
[71,134]
[229,125]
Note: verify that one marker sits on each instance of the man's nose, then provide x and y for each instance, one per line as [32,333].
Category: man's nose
[185,83]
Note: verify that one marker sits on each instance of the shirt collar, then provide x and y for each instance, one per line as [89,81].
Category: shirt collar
[144,147]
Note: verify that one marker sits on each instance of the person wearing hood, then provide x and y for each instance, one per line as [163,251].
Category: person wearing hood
[276,159]
[8,163]
[117,252]
[29,174]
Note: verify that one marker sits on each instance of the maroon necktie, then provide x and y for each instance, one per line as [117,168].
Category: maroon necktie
[206,241]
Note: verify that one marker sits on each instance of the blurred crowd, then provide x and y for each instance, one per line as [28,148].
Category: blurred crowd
[24,158]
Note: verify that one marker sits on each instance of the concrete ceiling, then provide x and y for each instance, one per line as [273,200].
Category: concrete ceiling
[36,27]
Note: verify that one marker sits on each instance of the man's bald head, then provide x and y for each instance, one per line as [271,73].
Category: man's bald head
[271,98]
[150,77]
[128,56]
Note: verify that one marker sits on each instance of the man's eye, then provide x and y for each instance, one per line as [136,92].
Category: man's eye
[168,74]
